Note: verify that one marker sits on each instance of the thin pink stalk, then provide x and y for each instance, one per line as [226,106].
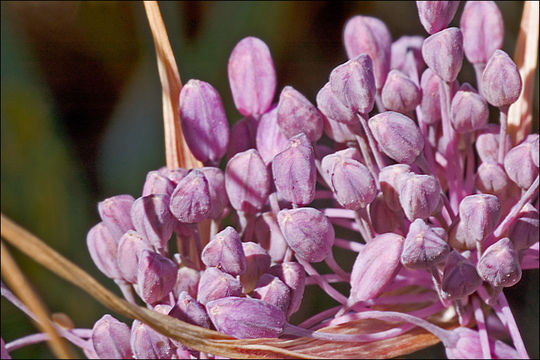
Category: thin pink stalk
[482,330]
[333,293]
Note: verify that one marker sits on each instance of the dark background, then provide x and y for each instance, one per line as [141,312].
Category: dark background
[81,113]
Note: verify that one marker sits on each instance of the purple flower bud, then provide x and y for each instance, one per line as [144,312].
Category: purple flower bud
[501,82]
[524,231]
[187,279]
[190,310]
[479,214]
[443,53]
[153,220]
[294,276]
[243,133]
[469,110]
[400,93]
[296,114]
[400,49]
[204,122]
[246,318]
[487,143]
[483,30]
[369,35]
[535,148]
[397,136]
[388,180]
[294,171]
[269,235]
[157,183]
[419,195]
[499,264]
[130,249]
[341,132]
[308,232]
[225,252]
[110,339]
[431,101]
[257,263]
[175,175]
[332,107]
[216,284]
[353,83]
[520,166]
[490,178]
[436,15]
[468,346]
[252,76]
[383,218]
[191,200]
[272,290]
[460,278]
[375,266]
[147,343]
[216,187]
[156,276]
[351,182]
[270,140]
[247,181]
[114,212]
[424,246]
[103,249]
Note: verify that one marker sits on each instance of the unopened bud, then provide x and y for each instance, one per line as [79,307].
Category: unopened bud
[191,201]
[187,279]
[147,343]
[215,284]
[520,166]
[388,180]
[110,339]
[294,276]
[114,212]
[478,214]
[383,218]
[419,195]
[443,53]
[499,264]
[152,219]
[103,249]
[424,246]
[257,263]
[469,110]
[130,249]
[436,15]
[460,278]
[296,114]
[156,276]
[190,310]
[490,178]
[225,252]
[332,107]
[431,101]
[501,82]
[270,140]
[401,47]
[400,93]
[270,237]
[216,187]
[341,132]
[487,143]
[524,231]
[243,132]
[272,290]
[157,183]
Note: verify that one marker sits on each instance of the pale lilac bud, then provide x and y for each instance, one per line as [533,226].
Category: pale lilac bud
[110,339]
[501,82]
[272,290]
[114,212]
[483,30]
[469,346]
[490,178]
[535,148]
[294,171]
[383,218]
[157,183]
[191,201]
[431,101]
[103,249]
[204,122]
[252,76]
[190,310]
[400,93]
[419,195]
[246,318]
[175,175]
[436,15]
[400,49]
[187,279]
[479,214]
[424,246]
[147,343]
[443,53]
[216,187]
[215,284]
[499,264]
[156,276]
[243,134]
[487,143]
[332,107]
[153,220]
[520,166]
[225,252]
[397,136]
[130,249]
[524,231]
[308,232]
[257,263]
[4,354]
[247,181]
[270,140]
[459,278]
[269,235]
[369,35]
[375,266]
[294,276]
[296,114]
[388,180]
[469,110]
[353,83]
[341,132]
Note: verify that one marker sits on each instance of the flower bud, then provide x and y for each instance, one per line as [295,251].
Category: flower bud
[157,183]
[187,279]
[114,212]
[400,93]
[520,166]
[103,249]
[388,180]
[191,201]
[257,263]
[524,231]
[431,101]
[243,133]
[369,35]
[397,136]
[501,82]
[272,290]
[419,195]
[308,232]
[247,181]
[332,107]
[535,148]
[483,30]
[130,249]
[252,76]
[294,276]
[296,114]
[270,140]
[469,110]
[190,310]
[110,339]
[147,343]
[175,175]
[479,214]
[215,284]
[353,83]
[156,276]
[270,237]
[153,220]
[376,265]
[424,246]
[459,278]
[499,264]
[341,132]
[443,53]
[246,318]
[469,346]
[487,143]
[225,252]
[216,187]
[400,49]
[294,171]
[436,15]
[490,178]
[383,218]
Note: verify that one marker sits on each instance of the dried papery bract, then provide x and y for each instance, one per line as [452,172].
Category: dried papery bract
[436,15]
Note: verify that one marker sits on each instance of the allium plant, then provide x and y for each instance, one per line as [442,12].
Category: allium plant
[444,207]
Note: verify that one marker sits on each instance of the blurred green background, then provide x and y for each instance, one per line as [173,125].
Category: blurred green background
[81,113]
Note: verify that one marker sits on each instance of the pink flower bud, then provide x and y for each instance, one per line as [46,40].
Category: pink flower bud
[308,232]
[130,249]
[247,181]
[400,93]
[490,178]
[400,49]
[535,147]
[501,82]
[294,171]
[296,114]
[431,101]
[341,132]
[204,122]
[114,212]
[215,284]
[191,201]
[216,187]
[332,107]
[270,237]
[483,30]
[499,264]
[353,83]
[175,175]
[147,343]
[369,35]
[443,53]
[460,278]
[397,136]
[156,276]
[524,231]
[243,133]
[272,290]
[257,263]
[110,339]
[487,143]
[103,249]
[187,279]
[468,346]
[424,246]
[294,276]
[388,180]
[469,110]
[520,166]
[190,310]
[153,220]
[383,218]
[157,183]
[252,76]
[436,15]
[479,214]
[419,195]
[270,140]
[246,318]
[225,252]
[375,266]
